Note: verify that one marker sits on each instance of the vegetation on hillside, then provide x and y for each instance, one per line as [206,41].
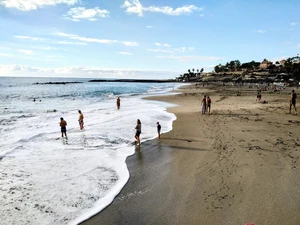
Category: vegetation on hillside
[290,66]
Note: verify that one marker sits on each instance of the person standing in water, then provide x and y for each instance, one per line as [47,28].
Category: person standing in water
[80,120]
[63,128]
[138,132]
[118,103]
[158,129]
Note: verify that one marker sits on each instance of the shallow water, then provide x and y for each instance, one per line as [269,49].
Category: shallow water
[46,179]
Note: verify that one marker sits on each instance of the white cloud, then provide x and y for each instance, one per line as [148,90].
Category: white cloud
[293,24]
[299,45]
[162,45]
[69,43]
[188,9]
[134,6]
[78,71]
[129,43]
[169,50]
[25,51]
[30,38]
[149,27]
[95,40]
[76,14]
[159,50]
[259,31]
[5,55]
[124,53]
[47,48]
[189,58]
[27,5]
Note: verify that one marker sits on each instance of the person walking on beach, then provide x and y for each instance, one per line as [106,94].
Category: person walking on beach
[293,101]
[118,103]
[203,103]
[208,104]
[80,120]
[138,132]
[258,96]
[158,129]
[63,128]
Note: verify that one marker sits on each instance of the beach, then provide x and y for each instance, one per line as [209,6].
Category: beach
[239,165]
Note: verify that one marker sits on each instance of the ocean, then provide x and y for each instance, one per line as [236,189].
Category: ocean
[46,179]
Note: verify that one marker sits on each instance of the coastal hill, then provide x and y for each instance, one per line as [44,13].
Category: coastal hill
[234,71]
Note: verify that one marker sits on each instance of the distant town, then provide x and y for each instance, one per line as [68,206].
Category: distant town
[286,71]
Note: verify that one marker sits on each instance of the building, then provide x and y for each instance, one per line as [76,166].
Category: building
[265,64]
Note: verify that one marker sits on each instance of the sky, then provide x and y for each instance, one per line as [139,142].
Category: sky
[142,39]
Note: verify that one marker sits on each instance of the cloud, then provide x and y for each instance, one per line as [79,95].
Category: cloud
[135,7]
[169,50]
[6,55]
[294,24]
[259,31]
[47,48]
[162,45]
[69,43]
[95,40]
[189,58]
[25,51]
[124,53]
[28,5]
[76,14]
[188,9]
[129,43]
[30,38]
[149,27]
[159,50]
[81,71]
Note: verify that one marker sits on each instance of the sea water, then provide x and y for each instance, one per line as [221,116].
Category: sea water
[46,179]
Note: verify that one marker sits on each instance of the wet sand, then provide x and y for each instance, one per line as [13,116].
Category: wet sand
[236,166]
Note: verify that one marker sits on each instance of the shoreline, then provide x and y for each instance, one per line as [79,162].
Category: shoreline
[223,168]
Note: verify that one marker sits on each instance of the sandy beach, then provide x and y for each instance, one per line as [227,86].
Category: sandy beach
[239,165]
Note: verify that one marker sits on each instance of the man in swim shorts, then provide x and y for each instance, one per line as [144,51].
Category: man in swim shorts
[63,128]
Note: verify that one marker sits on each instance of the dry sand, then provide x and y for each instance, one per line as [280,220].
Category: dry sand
[236,166]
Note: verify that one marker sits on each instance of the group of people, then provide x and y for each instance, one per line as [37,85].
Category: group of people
[206,104]
[292,100]
[63,124]
[138,132]
[138,127]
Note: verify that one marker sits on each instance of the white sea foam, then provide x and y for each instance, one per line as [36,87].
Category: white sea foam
[46,179]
